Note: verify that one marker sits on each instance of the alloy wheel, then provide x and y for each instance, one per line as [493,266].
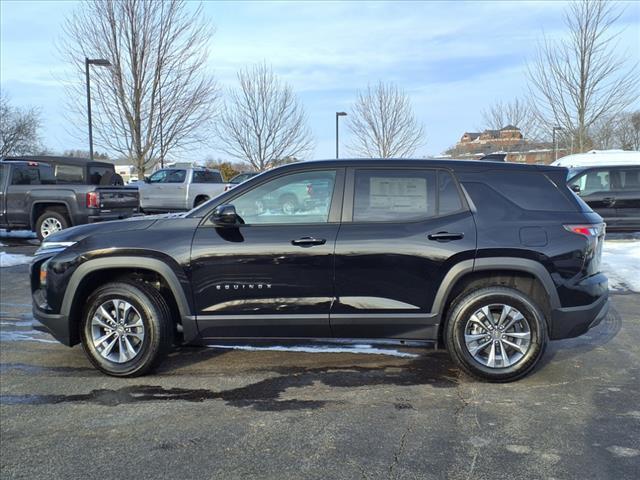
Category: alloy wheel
[49,226]
[117,331]
[497,336]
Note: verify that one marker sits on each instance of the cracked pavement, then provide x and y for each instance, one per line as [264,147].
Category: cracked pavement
[210,413]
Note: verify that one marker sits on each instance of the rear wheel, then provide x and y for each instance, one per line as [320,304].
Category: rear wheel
[50,222]
[200,200]
[496,333]
[126,328]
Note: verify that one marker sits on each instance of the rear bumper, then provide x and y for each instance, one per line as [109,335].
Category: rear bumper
[574,321]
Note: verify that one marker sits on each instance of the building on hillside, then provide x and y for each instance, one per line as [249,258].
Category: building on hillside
[490,140]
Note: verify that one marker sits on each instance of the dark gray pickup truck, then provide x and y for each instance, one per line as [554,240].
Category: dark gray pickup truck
[47,194]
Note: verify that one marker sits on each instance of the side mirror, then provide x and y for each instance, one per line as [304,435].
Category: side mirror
[575,187]
[147,180]
[226,216]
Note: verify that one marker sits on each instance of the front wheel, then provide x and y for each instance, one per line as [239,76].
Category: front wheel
[496,333]
[126,328]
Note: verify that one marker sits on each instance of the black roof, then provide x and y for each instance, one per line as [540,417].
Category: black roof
[453,164]
[54,159]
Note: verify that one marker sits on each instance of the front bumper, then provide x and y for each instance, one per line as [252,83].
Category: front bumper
[574,321]
[56,324]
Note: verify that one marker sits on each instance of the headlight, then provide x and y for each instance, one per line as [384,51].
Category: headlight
[53,247]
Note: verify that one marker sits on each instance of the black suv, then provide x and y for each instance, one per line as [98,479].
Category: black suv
[613,191]
[488,260]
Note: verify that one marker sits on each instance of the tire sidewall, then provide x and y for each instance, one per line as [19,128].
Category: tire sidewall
[473,302]
[151,319]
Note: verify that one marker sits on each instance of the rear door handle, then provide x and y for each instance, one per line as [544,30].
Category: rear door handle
[308,242]
[445,236]
[609,200]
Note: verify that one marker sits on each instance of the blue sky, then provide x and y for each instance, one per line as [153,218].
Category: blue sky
[452,58]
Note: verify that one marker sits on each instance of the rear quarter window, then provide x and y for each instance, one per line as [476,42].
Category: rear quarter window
[527,190]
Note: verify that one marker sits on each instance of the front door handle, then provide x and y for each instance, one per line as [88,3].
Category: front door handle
[308,242]
[445,236]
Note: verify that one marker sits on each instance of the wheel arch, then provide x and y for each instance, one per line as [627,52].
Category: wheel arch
[96,272]
[525,275]
[38,207]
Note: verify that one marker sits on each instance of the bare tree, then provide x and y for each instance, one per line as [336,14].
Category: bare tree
[18,129]
[578,80]
[157,98]
[604,132]
[383,124]
[517,112]
[262,122]
[628,131]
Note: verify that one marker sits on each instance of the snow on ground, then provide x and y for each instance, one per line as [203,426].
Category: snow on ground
[621,263]
[13,259]
[368,349]
[17,234]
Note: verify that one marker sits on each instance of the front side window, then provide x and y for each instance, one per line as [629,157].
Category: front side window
[159,177]
[295,198]
[593,181]
[394,195]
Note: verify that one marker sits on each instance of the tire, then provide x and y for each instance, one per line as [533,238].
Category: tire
[288,204]
[51,221]
[199,201]
[478,362]
[149,310]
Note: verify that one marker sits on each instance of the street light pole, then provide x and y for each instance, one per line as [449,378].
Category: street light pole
[338,115]
[102,63]
[555,143]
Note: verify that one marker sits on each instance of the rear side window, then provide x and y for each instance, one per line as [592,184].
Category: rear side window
[206,176]
[528,190]
[1,175]
[629,178]
[448,194]
[69,174]
[394,195]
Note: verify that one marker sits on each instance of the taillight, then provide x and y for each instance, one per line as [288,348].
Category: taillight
[93,200]
[588,230]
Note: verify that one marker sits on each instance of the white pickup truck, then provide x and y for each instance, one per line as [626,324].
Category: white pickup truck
[177,189]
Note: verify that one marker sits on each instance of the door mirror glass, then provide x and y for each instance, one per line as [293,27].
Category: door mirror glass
[226,216]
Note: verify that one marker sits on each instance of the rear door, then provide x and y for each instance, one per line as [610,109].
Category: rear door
[402,230]
[626,181]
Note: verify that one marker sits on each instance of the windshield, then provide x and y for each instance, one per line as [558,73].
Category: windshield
[573,171]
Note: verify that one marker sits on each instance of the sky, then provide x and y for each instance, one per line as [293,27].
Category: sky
[453,59]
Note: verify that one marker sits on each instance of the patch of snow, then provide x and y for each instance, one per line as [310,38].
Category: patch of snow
[13,259]
[621,263]
[17,234]
[357,349]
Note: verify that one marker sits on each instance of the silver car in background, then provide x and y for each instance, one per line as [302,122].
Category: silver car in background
[179,189]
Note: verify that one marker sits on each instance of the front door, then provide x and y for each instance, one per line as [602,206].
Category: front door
[272,276]
[597,189]
[402,230]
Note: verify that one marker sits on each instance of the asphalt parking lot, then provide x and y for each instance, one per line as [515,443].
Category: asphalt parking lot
[212,413]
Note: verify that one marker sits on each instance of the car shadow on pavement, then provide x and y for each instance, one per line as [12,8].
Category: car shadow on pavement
[594,338]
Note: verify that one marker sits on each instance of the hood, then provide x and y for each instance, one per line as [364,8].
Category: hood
[80,232]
